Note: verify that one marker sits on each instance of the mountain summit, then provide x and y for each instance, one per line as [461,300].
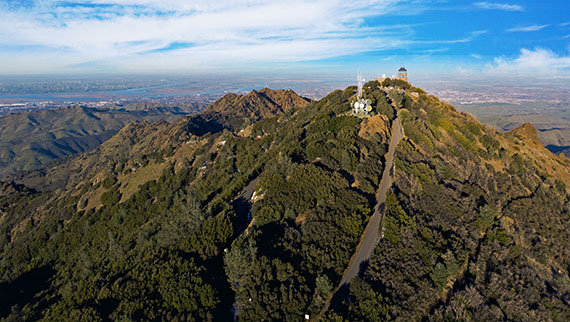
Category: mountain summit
[232,111]
[258,207]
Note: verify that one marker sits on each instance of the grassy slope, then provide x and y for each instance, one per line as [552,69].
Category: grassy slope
[31,139]
[554,127]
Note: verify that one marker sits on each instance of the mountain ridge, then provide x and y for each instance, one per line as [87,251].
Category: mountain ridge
[32,139]
[232,111]
[474,226]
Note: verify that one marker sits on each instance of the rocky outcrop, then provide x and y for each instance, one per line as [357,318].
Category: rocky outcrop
[527,131]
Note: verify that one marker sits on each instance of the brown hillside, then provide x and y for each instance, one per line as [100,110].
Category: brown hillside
[232,111]
[264,103]
[527,131]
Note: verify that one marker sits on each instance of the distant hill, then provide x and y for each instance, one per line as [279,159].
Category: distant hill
[233,111]
[559,149]
[188,108]
[553,131]
[253,209]
[141,142]
[31,139]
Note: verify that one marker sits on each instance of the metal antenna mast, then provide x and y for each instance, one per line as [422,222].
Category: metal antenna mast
[360,84]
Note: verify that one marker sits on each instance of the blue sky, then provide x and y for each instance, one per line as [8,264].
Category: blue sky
[328,36]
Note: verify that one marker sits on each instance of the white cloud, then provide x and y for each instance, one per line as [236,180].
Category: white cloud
[539,61]
[217,31]
[476,56]
[197,35]
[498,6]
[527,28]
[471,36]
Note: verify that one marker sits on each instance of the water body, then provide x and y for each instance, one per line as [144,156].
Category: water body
[142,92]
[170,89]
[150,91]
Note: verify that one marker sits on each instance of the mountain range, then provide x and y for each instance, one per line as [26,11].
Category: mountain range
[255,208]
[32,139]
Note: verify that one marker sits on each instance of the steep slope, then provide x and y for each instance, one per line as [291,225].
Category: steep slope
[475,224]
[232,111]
[136,144]
[144,143]
[475,227]
[30,139]
[553,131]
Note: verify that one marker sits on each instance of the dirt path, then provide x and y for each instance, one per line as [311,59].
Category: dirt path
[372,232]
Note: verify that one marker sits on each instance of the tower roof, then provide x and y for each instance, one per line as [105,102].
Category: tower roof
[402,70]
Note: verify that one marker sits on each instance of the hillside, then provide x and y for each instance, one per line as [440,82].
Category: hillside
[255,207]
[144,143]
[551,120]
[553,131]
[232,111]
[31,139]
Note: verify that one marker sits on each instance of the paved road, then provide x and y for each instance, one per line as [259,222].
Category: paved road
[372,232]
[242,205]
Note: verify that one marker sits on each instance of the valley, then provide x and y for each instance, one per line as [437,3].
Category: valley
[30,140]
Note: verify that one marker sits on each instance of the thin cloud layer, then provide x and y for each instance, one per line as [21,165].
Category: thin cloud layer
[198,32]
[527,28]
[46,36]
[499,6]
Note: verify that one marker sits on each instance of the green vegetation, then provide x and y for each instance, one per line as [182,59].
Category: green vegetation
[31,139]
[463,240]
[156,223]
[553,126]
[389,82]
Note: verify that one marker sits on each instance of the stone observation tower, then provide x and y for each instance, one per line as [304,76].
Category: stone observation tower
[403,74]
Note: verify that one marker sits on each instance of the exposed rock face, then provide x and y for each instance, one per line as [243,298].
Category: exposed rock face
[257,104]
[527,131]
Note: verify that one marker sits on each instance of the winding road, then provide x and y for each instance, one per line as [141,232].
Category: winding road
[373,231]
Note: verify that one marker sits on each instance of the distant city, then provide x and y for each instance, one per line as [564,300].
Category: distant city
[25,95]
[458,92]
[30,94]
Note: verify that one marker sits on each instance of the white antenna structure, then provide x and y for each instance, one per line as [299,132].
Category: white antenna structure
[361,106]
[360,83]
